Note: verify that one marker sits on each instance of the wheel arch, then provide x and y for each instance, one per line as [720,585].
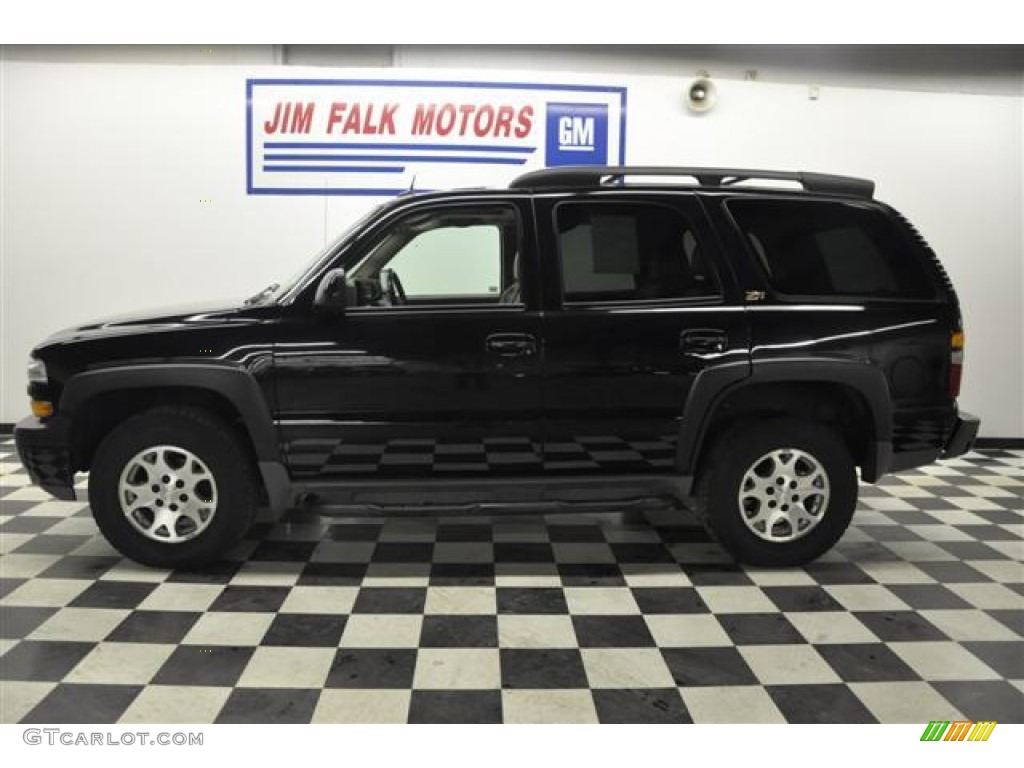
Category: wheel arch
[96,401]
[852,394]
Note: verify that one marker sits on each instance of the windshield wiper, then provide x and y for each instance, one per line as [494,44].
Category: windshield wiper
[262,295]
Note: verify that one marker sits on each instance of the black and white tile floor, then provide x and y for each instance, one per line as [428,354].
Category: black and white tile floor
[917,615]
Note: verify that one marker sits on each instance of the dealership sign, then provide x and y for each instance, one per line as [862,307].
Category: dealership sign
[382,137]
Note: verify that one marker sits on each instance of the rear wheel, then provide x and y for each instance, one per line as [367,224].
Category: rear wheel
[778,493]
[172,487]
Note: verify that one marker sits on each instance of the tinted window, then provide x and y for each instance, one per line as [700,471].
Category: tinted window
[830,249]
[629,252]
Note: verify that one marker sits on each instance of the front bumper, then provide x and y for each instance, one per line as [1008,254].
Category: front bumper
[964,434]
[44,449]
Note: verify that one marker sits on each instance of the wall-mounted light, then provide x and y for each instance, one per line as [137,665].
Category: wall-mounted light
[701,94]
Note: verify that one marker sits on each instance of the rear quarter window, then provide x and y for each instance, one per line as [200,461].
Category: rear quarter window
[829,249]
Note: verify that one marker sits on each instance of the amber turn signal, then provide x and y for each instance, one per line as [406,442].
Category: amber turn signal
[41,409]
[956,363]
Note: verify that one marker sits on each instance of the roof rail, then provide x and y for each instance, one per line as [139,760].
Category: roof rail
[589,176]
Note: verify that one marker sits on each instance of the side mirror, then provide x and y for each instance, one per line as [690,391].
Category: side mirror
[332,293]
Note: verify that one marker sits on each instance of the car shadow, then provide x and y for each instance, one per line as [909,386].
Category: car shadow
[589,549]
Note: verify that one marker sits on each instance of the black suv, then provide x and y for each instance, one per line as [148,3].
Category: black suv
[589,339]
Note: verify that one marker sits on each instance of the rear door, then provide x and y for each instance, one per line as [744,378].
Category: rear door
[643,303]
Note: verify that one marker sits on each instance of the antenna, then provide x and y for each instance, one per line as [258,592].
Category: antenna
[412,184]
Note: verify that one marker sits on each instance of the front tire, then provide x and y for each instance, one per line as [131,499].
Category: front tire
[779,493]
[172,487]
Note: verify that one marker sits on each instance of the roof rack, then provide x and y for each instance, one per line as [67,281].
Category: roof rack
[589,176]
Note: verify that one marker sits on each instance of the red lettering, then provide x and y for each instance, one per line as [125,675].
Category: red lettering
[484,120]
[387,118]
[465,110]
[525,122]
[275,125]
[302,120]
[368,124]
[337,108]
[503,124]
[445,119]
[423,119]
[352,121]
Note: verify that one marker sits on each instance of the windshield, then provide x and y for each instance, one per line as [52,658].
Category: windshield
[275,291]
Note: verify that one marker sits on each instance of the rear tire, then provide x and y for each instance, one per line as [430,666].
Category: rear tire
[779,493]
[173,487]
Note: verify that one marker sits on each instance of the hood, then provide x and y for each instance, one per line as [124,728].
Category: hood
[163,319]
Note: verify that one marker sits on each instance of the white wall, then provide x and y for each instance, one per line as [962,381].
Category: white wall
[984,69]
[978,68]
[107,170]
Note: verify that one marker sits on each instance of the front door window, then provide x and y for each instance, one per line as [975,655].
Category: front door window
[443,256]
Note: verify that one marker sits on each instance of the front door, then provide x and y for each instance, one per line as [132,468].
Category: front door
[435,372]
[645,305]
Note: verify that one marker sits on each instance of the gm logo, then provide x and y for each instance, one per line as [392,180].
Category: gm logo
[577,134]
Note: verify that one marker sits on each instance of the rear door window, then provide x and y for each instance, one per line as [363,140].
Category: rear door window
[629,251]
[828,249]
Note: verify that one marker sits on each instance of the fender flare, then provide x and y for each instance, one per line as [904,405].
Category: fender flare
[236,385]
[714,384]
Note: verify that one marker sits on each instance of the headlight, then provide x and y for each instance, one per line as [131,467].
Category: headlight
[36,371]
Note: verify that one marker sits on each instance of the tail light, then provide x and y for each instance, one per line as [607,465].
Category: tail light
[956,362]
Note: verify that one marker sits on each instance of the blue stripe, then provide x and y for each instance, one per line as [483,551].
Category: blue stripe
[622,127]
[404,158]
[572,87]
[334,168]
[396,145]
[248,136]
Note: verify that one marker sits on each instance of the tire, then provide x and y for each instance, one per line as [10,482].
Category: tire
[219,475]
[818,512]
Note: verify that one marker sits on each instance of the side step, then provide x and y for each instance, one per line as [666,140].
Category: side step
[504,495]
[314,504]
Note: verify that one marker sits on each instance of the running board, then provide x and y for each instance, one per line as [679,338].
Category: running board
[312,504]
[532,495]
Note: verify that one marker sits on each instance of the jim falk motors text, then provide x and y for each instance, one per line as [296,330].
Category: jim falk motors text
[425,119]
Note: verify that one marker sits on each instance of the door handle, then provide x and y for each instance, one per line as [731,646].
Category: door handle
[511,344]
[703,341]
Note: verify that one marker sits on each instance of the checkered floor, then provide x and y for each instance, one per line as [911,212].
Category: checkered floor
[917,615]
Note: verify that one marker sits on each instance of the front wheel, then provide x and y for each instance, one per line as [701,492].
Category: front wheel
[779,493]
[172,487]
